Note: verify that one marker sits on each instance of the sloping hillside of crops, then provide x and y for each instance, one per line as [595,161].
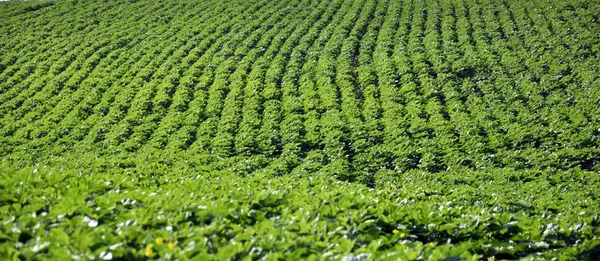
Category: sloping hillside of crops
[296,129]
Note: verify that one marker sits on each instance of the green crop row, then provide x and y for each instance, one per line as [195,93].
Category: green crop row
[428,89]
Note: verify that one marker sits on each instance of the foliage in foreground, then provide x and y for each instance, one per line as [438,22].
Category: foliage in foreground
[463,215]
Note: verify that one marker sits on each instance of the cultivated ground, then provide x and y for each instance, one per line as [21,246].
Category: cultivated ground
[348,130]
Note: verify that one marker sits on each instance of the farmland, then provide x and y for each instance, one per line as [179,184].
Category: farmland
[298,129]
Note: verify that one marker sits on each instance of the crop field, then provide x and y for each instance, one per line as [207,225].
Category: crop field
[300,130]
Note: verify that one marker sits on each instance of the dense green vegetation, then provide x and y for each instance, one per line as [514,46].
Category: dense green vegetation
[343,129]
